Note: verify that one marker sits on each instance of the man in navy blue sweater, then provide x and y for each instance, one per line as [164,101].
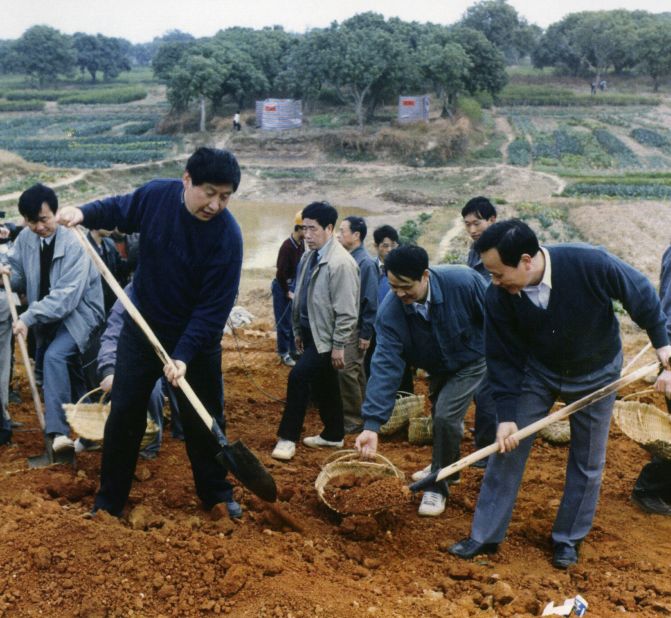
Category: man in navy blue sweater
[433,320]
[551,332]
[185,285]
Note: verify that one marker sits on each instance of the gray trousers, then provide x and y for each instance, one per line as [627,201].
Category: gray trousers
[450,396]
[586,459]
[352,381]
[5,366]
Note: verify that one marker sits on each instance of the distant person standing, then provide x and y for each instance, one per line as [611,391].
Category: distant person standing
[352,378]
[236,121]
[478,215]
[282,290]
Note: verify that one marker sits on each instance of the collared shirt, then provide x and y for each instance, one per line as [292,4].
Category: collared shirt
[46,242]
[539,294]
[423,308]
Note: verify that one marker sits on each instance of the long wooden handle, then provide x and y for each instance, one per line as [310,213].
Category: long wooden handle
[559,415]
[24,354]
[634,360]
[141,322]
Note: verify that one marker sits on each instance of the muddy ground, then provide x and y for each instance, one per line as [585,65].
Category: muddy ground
[168,557]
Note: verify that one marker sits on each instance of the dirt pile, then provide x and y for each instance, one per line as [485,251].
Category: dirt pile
[168,557]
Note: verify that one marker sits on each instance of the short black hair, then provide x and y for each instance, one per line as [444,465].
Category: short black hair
[322,212]
[214,165]
[407,261]
[511,238]
[357,224]
[31,200]
[479,206]
[385,231]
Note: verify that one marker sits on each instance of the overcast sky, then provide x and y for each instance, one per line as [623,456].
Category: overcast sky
[142,20]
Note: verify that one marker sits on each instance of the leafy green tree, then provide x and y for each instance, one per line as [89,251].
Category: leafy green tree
[502,26]
[447,68]
[487,72]
[100,53]
[43,53]
[167,57]
[654,51]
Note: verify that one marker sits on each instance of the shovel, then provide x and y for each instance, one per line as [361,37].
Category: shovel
[235,457]
[49,457]
[525,432]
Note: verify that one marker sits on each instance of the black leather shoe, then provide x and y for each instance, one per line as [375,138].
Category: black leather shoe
[468,548]
[564,556]
[651,504]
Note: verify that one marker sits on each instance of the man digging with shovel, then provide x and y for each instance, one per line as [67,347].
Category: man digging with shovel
[185,285]
[551,332]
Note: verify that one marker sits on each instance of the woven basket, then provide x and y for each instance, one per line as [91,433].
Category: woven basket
[557,433]
[407,406]
[88,420]
[646,424]
[349,462]
[420,430]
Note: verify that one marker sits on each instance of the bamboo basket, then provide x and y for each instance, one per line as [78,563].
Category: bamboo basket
[407,406]
[420,430]
[88,420]
[349,462]
[646,424]
[557,433]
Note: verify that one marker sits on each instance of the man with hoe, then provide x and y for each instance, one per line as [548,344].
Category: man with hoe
[551,332]
[185,285]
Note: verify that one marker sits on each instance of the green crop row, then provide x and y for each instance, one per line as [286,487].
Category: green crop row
[616,148]
[30,105]
[648,137]
[96,97]
[620,190]
[515,95]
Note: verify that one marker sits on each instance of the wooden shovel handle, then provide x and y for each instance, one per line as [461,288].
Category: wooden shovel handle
[24,354]
[559,415]
[141,322]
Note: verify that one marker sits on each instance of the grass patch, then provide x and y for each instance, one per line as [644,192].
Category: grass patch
[29,105]
[124,94]
[644,185]
[534,95]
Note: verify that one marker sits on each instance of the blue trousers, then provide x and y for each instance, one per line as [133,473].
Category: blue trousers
[282,311]
[137,370]
[586,459]
[63,381]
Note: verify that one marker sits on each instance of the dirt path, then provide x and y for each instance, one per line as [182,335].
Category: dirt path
[503,126]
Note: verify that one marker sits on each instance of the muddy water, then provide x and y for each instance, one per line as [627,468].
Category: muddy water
[265,226]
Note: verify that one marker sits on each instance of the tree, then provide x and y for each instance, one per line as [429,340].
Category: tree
[101,53]
[447,67]
[43,53]
[167,57]
[654,51]
[503,27]
[488,71]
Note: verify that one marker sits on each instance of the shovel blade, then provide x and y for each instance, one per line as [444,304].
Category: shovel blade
[50,457]
[247,468]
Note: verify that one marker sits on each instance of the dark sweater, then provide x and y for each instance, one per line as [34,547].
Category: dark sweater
[287,260]
[188,270]
[578,333]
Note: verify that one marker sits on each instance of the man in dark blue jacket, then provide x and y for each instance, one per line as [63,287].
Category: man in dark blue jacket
[185,285]
[433,320]
[552,332]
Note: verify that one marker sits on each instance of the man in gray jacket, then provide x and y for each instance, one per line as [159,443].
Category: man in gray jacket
[65,303]
[324,314]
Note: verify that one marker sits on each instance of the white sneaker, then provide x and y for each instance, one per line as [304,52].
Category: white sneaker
[421,474]
[424,472]
[62,443]
[318,441]
[284,450]
[287,360]
[433,504]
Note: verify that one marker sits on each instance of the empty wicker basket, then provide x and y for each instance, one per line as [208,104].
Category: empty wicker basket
[88,420]
[420,430]
[557,433]
[646,424]
[407,406]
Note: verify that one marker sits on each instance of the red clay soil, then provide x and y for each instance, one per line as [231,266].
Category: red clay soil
[168,557]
